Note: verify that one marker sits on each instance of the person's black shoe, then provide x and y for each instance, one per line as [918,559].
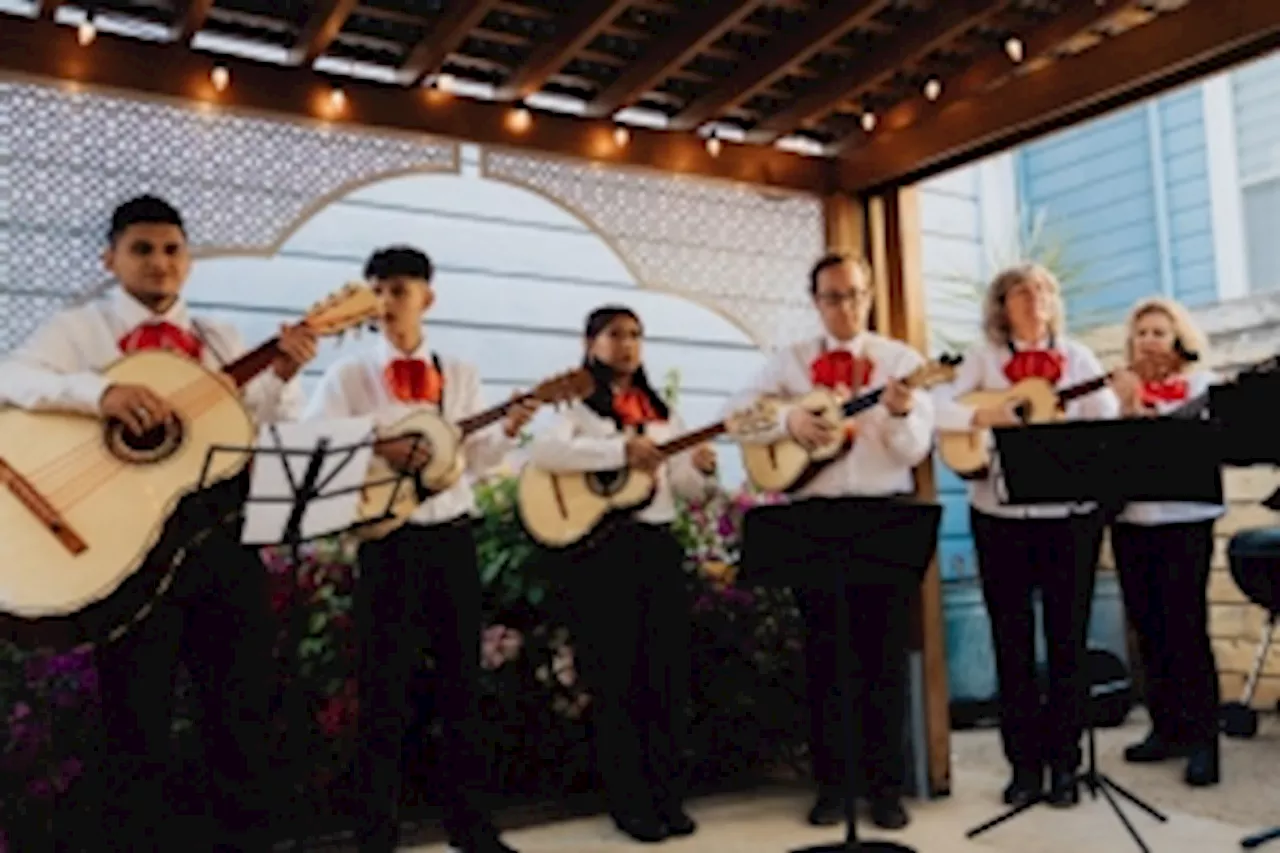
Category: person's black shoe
[647,829]
[1153,749]
[1026,787]
[828,809]
[889,813]
[1064,790]
[677,821]
[1203,766]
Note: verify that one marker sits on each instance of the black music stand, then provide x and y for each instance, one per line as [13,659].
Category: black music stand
[315,484]
[1260,838]
[1110,463]
[795,545]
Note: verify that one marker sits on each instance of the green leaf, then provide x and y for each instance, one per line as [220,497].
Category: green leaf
[317,623]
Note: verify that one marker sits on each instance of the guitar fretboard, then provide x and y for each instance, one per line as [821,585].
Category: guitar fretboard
[480,420]
[692,439]
[243,370]
[1066,395]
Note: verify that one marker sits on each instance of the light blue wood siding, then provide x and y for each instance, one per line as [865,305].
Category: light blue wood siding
[1255,91]
[1127,196]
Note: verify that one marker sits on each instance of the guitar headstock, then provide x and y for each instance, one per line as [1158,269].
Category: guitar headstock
[571,385]
[934,372]
[760,418]
[350,307]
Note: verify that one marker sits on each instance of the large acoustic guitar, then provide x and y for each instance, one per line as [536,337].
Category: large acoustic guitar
[561,509]
[388,499]
[785,465]
[83,501]
[1032,401]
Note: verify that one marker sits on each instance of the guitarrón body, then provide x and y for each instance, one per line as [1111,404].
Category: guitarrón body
[112,498]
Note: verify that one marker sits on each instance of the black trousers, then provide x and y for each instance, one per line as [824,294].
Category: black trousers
[217,620]
[1164,575]
[418,589]
[1059,558]
[631,613]
[876,677]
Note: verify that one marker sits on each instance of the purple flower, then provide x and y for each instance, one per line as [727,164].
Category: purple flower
[20,712]
[40,789]
[725,527]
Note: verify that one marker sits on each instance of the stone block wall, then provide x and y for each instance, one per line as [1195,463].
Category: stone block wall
[1240,332]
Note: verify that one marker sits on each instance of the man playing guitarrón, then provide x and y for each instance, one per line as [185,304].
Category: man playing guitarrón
[420,585]
[888,441]
[216,617]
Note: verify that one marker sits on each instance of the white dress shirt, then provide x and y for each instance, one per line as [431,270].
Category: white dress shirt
[60,366]
[355,386]
[1175,512]
[581,440]
[886,448]
[983,370]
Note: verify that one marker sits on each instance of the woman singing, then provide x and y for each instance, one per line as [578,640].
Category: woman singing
[628,590]
[1163,551]
[1052,548]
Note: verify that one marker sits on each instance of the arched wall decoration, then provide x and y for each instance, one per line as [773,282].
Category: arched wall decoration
[243,183]
[726,246]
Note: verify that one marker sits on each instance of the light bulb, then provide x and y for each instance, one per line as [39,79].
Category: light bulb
[621,136]
[713,146]
[520,118]
[868,121]
[337,97]
[221,77]
[1013,47]
[86,33]
[932,89]
[445,82]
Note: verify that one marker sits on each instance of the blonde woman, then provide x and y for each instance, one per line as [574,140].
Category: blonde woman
[1163,551]
[1021,549]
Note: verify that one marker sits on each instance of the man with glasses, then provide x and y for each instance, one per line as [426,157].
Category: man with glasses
[886,443]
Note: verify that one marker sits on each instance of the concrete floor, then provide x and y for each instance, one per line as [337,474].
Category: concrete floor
[1199,821]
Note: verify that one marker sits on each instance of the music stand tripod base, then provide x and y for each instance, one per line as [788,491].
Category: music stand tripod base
[1261,838]
[857,846]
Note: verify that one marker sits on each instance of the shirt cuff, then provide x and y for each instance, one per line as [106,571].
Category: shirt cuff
[87,389]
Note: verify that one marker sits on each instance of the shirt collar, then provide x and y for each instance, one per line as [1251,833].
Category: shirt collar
[1042,344]
[856,345]
[389,353]
[133,313]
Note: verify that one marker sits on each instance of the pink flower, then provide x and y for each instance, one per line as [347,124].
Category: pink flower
[20,712]
[491,647]
[509,644]
[563,665]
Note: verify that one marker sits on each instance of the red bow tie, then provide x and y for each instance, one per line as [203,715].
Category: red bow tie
[633,407]
[1170,390]
[839,368]
[1043,364]
[412,380]
[162,336]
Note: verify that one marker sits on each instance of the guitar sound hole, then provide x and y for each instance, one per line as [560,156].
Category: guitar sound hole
[154,445]
[1022,411]
[605,483]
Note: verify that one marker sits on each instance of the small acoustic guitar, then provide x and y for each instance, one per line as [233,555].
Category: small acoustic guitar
[83,501]
[786,465]
[562,509]
[1032,401]
[388,500]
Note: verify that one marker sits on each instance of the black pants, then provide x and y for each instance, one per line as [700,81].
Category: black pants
[1059,558]
[216,619]
[1164,574]
[632,628]
[419,588]
[876,677]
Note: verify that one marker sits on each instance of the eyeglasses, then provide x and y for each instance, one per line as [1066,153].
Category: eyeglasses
[853,297]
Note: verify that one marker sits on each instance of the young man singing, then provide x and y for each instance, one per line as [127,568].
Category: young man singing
[889,441]
[216,617]
[419,588]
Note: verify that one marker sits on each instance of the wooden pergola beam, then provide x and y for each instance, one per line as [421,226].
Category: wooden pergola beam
[1178,47]
[944,24]
[670,53]
[578,29]
[997,68]
[192,18]
[322,28]
[429,55]
[47,8]
[42,49]
[823,28]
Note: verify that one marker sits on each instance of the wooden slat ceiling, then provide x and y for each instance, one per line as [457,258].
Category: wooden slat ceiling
[835,72]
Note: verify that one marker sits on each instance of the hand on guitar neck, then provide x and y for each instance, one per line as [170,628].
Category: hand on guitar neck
[643,454]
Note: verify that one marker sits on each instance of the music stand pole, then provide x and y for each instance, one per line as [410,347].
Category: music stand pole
[1260,838]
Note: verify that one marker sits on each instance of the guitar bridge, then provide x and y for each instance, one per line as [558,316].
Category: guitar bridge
[40,507]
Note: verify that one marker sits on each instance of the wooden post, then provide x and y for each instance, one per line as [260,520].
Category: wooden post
[894,235]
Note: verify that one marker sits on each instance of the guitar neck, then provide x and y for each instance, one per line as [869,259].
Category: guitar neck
[492,415]
[245,368]
[861,404]
[692,439]
[1066,395]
